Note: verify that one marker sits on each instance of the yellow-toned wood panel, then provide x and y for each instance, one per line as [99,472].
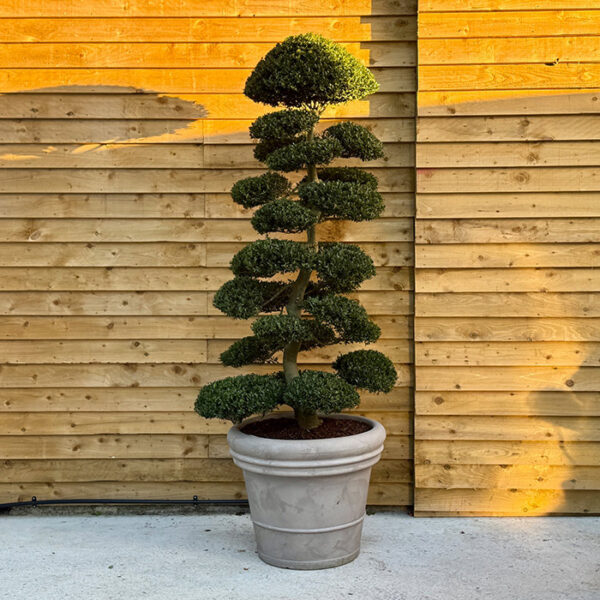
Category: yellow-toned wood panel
[507,366]
[121,139]
[509,304]
[183,29]
[208,8]
[508,102]
[481,51]
[90,55]
[503,329]
[519,24]
[488,5]
[75,104]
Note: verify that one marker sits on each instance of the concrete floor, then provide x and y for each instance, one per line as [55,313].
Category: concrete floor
[212,557]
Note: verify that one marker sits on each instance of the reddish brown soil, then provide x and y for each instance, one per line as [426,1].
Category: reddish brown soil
[287,429]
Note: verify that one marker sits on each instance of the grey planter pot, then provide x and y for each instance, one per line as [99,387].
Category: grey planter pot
[307,497]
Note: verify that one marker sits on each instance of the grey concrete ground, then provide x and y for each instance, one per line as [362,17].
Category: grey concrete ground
[211,557]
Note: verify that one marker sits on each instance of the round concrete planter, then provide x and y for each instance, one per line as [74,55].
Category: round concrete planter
[307,497]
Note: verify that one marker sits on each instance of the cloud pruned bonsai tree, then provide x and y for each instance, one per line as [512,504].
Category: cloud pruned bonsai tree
[304,307]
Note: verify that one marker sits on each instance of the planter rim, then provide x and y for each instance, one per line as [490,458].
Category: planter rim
[327,452]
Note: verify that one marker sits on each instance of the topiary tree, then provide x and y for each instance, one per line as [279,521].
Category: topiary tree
[305,74]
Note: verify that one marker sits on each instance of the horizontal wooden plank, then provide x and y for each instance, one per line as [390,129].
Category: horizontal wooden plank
[140,446]
[152,351]
[146,206]
[508,129]
[158,470]
[169,81]
[508,304]
[502,378]
[102,351]
[154,279]
[501,329]
[556,75]
[165,156]
[104,303]
[253,29]
[493,5]
[83,103]
[511,502]
[500,452]
[524,477]
[155,470]
[520,24]
[475,231]
[160,303]
[122,423]
[90,132]
[114,206]
[537,179]
[509,280]
[187,230]
[160,399]
[537,429]
[508,354]
[160,254]
[156,180]
[508,102]
[507,154]
[503,205]
[178,55]
[507,255]
[385,494]
[180,490]
[190,327]
[508,403]
[208,8]
[538,49]
[111,446]
[134,254]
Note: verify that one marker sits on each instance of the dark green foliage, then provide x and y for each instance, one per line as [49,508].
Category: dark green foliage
[343,199]
[263,149]
[367,369]
[343,267]
[305,73]
[318,391]
[247,351]
[244,297]
[309,70]
[348,174]
[237,398]
[254,191]
[320,151]
[283,124]
[357,141]
[283,215]
[265,258]
[347,317]
[282,329]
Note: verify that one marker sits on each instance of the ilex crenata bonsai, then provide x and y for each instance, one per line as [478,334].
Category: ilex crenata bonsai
[294,288]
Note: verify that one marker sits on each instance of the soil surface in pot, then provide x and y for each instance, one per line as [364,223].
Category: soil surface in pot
[287,429]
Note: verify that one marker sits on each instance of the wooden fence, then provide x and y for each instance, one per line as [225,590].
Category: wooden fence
[507,304]
[121,137]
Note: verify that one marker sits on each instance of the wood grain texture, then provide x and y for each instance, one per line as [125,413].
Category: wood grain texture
[507,368]
[122,135]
